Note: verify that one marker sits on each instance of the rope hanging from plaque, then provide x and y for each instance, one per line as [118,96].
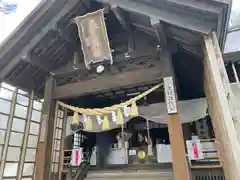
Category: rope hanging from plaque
[116,112]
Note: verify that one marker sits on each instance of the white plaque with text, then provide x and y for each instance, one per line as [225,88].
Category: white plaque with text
[170,96]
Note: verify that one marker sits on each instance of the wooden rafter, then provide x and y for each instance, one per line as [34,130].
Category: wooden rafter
[159,31]
[124,20]
[36,62]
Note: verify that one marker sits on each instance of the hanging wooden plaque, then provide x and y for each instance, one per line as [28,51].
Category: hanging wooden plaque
[94,39]
[170,96]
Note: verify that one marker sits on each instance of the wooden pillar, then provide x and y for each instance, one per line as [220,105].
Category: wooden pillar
[218,94]
[44,151]
[8,134]
[180,166]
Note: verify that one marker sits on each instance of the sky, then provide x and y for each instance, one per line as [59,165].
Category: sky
[236,5]
[9,22]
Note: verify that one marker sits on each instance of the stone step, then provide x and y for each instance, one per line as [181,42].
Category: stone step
[165,166]
[132,178]
[133,175]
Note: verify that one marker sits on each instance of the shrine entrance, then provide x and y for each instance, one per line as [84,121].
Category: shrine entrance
[143,139]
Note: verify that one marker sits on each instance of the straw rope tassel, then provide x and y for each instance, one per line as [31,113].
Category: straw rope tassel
[107,110]
[134,110]
[120,119]
[88,124]
[75,118]
[105,123]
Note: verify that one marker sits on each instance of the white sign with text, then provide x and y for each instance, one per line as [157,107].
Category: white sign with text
[170,96]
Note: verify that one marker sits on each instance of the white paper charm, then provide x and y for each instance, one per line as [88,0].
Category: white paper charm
[99,119]
[126,111]
[114,116]
[85,117]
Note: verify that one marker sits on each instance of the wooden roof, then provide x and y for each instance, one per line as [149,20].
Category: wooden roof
[44,43]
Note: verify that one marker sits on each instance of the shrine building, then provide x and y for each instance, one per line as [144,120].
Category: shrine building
[112,89]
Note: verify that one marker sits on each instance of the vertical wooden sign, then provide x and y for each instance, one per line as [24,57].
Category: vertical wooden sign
[170,96]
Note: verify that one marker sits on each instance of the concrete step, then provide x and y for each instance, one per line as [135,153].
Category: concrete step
[132,178]
[130,175]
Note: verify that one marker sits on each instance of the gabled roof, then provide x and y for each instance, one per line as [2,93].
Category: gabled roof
[41,44]
[192,15]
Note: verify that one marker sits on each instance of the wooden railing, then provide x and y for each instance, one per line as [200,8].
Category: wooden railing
[208,174]
[67,158]
[211,156]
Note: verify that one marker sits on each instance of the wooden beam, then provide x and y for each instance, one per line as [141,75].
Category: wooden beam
[147,29]
[180,166]
[159,31]
[135,61]
[105,82]
[36,62]
[44,150]
[121,16]
[124,20]
[221,112]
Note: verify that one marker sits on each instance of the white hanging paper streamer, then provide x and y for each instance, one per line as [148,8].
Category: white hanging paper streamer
[85,118]
[114,116]
[99,119]
[126,111]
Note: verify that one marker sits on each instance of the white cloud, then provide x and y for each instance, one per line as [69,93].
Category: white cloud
[9,22]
